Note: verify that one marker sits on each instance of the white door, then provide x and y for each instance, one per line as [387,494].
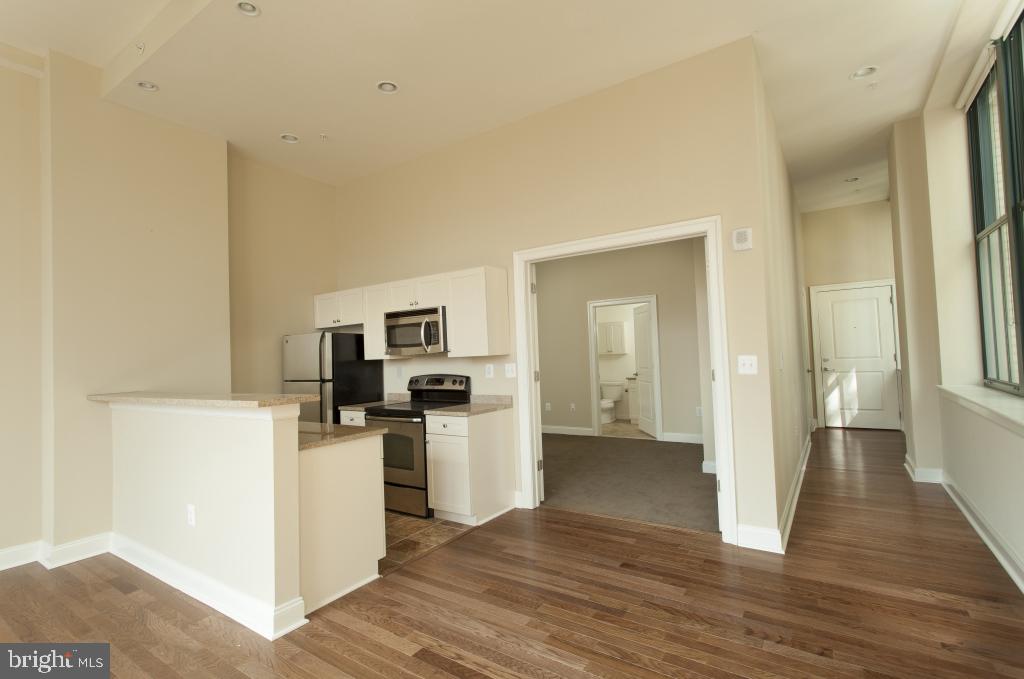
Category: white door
[448,481]
[857,357]
[642,337]
[431,292]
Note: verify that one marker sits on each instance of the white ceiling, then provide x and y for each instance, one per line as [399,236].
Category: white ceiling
[467,66]
[90,30]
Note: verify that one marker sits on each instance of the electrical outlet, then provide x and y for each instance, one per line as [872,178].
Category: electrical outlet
[510,370]
[547,407]
[572,407]
[746,365]
[190,515]
[700,412]
[399,371]
[489,370]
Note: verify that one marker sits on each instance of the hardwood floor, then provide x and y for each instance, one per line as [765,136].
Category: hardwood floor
[883,578]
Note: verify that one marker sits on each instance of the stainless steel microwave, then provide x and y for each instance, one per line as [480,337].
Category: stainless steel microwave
[415,333]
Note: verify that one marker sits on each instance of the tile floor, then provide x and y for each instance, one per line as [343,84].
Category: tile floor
[409,537]
[624,429]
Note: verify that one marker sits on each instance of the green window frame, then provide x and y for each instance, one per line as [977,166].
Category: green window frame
[995,126]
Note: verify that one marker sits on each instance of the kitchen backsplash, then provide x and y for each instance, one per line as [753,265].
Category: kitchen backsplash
[398,371]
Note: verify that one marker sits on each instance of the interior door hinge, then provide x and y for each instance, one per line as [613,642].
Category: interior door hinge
[533,288]
[719,485]
[536,376]
[712,374]
[540,465]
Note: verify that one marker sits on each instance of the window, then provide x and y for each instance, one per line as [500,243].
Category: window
[995,123]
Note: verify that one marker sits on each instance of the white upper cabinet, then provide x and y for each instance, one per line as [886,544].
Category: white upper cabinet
[419,292]
[478,322]
[344,307]
[611,338]
[476,301]
[377,301]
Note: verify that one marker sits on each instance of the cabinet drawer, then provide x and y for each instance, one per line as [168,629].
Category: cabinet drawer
[353,418]
[452,426]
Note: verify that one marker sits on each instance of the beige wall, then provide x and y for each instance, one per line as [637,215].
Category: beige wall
[915,289]
[284,249]
[953,247]
[565,286]
[784,302]
[678,143]
[20,354]
[848,244]
[135,280]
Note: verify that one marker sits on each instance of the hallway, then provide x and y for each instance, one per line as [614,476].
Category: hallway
[883,578]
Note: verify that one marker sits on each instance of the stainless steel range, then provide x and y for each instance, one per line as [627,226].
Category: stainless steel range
[405,444]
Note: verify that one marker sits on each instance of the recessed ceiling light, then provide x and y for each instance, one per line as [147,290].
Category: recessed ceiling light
[289,138]
[248,9]
[147,86]
[387,87]
[850,180]
[863,72]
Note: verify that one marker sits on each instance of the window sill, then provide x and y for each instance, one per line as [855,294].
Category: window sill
[1004,409]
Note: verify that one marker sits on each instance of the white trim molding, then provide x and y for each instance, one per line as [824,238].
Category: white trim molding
[262,617]
[679,437]
[794,494]
[19,555]
[570,431]
[527,362]
[762,539]
[708,467]
[54,556]
[1007,556]
[328,599]
[923,474]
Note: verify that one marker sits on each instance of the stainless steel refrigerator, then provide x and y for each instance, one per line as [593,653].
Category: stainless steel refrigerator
[330,364]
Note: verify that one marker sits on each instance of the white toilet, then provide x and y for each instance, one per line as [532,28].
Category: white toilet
[611,393]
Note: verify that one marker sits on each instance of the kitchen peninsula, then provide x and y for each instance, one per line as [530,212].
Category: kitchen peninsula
[220,496]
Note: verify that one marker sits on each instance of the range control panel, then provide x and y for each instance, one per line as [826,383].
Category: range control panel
[439,382]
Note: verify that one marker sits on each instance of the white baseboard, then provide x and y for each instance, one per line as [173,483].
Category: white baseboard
[794,494]
[678,437]
[333,597]
[19,555]
[571,431]
[1007,556]
[756,537]
[54,556]
[709,467]
[923,474]
[469,519]
[261,617]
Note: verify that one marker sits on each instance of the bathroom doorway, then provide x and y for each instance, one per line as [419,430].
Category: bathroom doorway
[625,374]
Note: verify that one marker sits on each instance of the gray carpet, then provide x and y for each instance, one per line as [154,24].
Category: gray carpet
[630,478]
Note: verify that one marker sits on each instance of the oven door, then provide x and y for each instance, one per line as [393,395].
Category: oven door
[405,457]
[415,333]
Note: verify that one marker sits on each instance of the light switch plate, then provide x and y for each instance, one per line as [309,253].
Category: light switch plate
[746,364]
[510,370]
[489,370]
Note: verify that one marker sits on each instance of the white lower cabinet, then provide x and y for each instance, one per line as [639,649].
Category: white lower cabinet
[470,466]
[448,473]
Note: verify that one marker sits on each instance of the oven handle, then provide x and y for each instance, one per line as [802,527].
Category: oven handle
[371,418]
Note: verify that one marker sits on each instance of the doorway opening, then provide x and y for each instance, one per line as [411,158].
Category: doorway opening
[625,375]
[576,436]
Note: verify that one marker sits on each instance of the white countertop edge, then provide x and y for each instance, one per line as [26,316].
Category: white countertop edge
[1006,410]
[230,401]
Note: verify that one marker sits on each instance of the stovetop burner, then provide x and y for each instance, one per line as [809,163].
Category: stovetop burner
[427,392]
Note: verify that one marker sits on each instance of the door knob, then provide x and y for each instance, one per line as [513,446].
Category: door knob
[827,370]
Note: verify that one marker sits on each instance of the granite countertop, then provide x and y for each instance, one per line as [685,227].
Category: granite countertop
[341,433]
[479,406]
[469,409]
[229,400]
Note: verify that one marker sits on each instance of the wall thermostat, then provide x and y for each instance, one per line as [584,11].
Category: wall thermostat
[743,239]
